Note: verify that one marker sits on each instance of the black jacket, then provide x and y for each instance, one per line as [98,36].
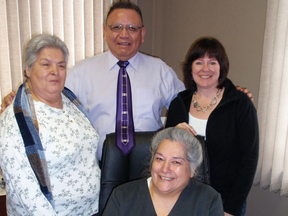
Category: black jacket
[232,140]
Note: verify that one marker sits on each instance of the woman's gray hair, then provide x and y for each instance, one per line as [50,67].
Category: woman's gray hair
[39,42]
[192,147]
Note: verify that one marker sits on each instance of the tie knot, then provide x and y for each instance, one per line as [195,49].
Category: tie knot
[123,64]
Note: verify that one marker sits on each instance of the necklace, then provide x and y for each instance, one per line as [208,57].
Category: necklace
[204,109]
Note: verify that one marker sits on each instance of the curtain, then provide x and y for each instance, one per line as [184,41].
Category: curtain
[272,170]
[77,22]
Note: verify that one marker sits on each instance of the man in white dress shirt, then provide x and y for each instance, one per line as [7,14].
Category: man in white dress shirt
[94,80]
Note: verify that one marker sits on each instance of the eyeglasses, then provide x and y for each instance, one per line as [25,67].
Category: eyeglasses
[129,28]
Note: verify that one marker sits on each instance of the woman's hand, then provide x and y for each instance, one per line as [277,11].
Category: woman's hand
[227,214]
[7,101]
[187,127]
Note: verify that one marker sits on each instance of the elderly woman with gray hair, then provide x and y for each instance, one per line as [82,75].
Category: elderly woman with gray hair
[48,145]
[171,189]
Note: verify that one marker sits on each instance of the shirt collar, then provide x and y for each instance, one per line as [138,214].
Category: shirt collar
[133,62]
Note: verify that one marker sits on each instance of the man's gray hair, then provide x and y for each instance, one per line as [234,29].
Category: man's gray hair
[39,42]
[125,5]
[192,147]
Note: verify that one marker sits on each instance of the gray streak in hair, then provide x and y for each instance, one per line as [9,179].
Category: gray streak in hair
[193,150]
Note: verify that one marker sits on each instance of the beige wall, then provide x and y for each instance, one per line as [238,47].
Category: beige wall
[172,26]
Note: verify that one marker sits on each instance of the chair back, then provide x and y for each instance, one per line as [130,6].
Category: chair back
[203,170]
[117,169]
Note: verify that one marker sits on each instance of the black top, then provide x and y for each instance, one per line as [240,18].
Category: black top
[232,141]
[133,198]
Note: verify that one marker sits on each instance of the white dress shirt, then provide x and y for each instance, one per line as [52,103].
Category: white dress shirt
[154,85]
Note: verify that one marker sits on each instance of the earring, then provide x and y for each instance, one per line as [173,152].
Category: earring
[192,78]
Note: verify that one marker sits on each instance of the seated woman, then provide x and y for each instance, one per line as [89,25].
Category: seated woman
[171,190]
[48,145]
[212,107]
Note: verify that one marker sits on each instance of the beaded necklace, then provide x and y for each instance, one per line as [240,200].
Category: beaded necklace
[204,109]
